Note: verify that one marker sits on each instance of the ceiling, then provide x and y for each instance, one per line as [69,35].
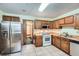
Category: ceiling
[53,9]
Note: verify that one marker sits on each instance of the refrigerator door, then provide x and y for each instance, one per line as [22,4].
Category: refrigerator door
[15,37]
[5,40]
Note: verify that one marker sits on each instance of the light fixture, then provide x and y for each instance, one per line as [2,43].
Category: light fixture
[43,6]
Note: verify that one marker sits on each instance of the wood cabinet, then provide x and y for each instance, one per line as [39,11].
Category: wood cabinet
[38,41]
[11,18]
[69,20]
[45,22]
[7,18]
[61,21]
[16,19]
[77,21]
[50,25]
[56,41]
[65,45]
[57,24]
[54,25]
[37,24]
[62,43]
[40,23]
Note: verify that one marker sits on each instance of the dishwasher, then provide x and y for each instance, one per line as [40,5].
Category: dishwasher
[74,48]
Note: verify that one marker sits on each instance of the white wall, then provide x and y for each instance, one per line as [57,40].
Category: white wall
[1,13]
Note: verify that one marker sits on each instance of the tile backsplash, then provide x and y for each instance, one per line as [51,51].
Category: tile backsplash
[70,31]
[40,31]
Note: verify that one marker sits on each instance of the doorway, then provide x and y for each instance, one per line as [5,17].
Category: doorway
[27,32]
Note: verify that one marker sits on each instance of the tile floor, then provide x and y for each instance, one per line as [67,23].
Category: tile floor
[31,50]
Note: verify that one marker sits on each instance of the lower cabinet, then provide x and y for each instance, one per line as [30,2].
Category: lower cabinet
[62,43]
[56,41]
[65,45]
[38,41]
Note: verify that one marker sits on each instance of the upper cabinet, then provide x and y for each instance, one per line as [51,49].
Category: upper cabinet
[61,21]
[69,20]
[50,25]
[16,19]
[7,18]
[11,18]
[77,21]
[45,22]
[55,24]
[37,24]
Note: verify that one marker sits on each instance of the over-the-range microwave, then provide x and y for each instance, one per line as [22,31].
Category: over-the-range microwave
[45,26]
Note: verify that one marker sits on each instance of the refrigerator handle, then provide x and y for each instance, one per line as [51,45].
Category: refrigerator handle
[5,34]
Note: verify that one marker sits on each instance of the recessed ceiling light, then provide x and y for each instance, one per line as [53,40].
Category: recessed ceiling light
[43,6]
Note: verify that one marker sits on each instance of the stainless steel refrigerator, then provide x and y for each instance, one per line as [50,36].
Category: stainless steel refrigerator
[11,37]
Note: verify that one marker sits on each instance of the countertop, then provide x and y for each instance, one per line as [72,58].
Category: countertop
[74,37]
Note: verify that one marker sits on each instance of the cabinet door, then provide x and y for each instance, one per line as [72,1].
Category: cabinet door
[57,24]
[65,45]
[38,41]
[15,19]
[45,22]
[61,21]
[38,24]
[7,18]
[77,21]
[54,25]
[69,20]
[51,25]
[56,41]
[11,18]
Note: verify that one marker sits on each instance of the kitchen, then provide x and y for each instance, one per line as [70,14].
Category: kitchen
[60,31]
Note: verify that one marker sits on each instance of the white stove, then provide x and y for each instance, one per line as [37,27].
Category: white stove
[46,40]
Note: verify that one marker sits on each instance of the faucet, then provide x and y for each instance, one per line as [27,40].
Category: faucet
[65,34]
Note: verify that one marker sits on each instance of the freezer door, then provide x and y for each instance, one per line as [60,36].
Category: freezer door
[15,37]
[5,41]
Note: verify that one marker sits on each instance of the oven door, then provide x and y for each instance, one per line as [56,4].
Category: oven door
[46,40]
